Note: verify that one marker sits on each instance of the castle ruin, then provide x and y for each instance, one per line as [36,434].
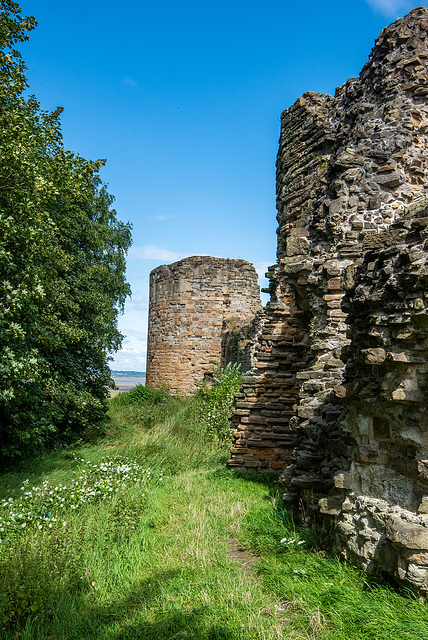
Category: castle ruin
[336,400]
[338,397]
[193,304]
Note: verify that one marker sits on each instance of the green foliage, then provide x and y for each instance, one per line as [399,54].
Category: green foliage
[274,530]
[323,594]
[213,401]
[37,574]
[145,405]
[140,394]
[153,559]
[157,432]
[62,264]
[13,29]
[43,507]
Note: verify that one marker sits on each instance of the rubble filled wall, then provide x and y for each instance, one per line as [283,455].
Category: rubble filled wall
[350,170]
[379,504]
[192,303]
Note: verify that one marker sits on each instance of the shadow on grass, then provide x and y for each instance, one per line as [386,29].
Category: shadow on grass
[35,470]
[267,527]
[164,620]
[148,612]
[269,479]
[178,624]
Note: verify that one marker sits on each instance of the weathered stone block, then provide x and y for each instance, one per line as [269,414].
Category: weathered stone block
[252,464]
[423,507]
[343,481]
[417,576]
[374,356]
[330,506]
[406,534]
[423,469]
[297,246]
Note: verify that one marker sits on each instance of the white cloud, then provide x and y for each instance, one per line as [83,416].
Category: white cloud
[390,7]
[131,82]
[153,252]
[164,217]
[132,356]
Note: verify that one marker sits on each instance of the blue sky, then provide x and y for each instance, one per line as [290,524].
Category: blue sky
[184,99]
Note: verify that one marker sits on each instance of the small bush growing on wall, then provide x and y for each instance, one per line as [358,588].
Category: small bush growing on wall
[213,401]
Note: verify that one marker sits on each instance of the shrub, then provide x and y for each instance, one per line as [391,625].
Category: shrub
[141,394]
[213,401]
[41,569]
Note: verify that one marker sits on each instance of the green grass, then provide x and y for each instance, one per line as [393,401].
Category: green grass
[151,562]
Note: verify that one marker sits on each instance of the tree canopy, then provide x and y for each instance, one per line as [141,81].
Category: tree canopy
[62,268]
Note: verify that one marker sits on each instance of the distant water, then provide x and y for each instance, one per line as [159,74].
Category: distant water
[124,384]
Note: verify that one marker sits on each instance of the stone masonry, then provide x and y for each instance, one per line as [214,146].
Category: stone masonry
[337,399]
[193,303]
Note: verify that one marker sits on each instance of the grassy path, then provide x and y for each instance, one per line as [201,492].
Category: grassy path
[153,561]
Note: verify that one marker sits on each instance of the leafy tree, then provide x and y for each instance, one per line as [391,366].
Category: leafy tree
[62,268]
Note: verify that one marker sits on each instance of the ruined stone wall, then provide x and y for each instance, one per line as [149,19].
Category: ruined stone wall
[192,303]
[238,344]
[263,437]
[351,169]
[379,504]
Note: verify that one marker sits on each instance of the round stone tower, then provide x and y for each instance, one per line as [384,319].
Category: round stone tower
[192,303]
